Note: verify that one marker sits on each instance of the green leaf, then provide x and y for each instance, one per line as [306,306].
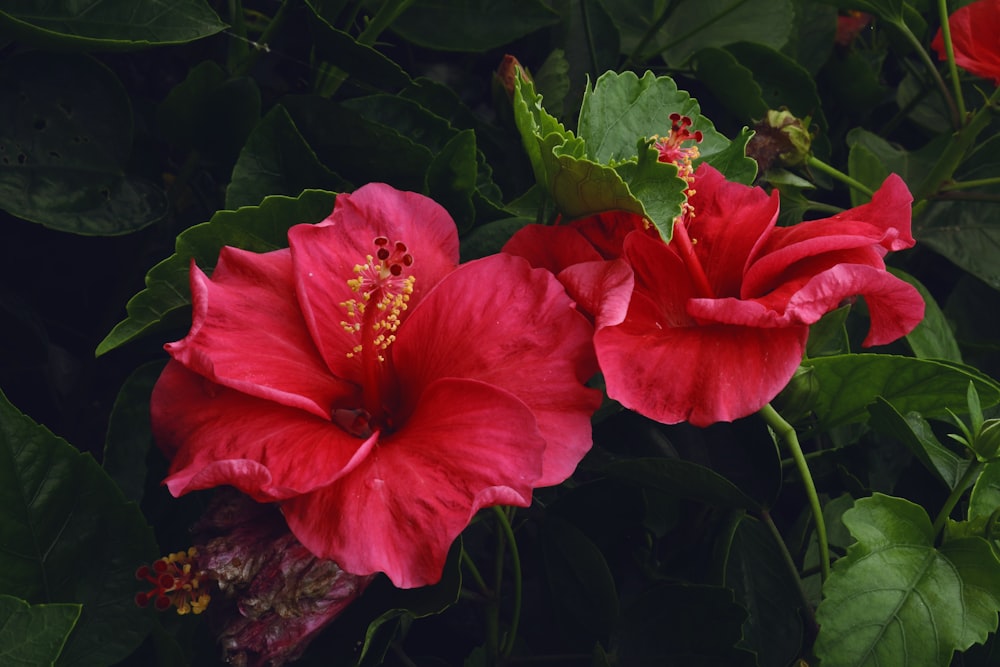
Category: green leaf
[682,478]
[471,25]
[755,569]
[276,160]
[70,536]
[108,25]
[984,500]
[34,635]
[451,178]
[256,228]
[361,61]
[676,624]
[895,595]
[731,82]
[582,588]
[210,112]
[933,337]
[129,436]
[623,111]
[914,432]
[828,336]
[850,383]
[65,134]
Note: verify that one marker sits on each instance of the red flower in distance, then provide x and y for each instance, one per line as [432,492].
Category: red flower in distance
[376,390]
[975,37]
[711,326]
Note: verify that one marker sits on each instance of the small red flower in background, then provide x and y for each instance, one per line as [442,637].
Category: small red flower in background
[711,326]
[850,25]
[975,37]
[377,391]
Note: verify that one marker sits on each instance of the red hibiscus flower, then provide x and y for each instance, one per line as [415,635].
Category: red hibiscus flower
[378,392]
[711,326]
[975,36]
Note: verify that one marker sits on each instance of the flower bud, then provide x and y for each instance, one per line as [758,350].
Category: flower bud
[988,440]
[780,139]
[799,396]
[510,68]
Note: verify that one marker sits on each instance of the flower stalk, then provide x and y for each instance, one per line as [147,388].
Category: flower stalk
[786,433]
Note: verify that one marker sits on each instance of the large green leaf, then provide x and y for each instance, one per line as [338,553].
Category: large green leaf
[70,536]
[850,383]
[933,337]
[108,24]
[34,635]
[622,110]
[65,135]
[682,478]
[129,433]
[256,228]
[895,594]
[984,501]
[471,25]
[276,160]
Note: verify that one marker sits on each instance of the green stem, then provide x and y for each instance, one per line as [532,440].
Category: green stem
[636,58]
[823,208]
[956,150]
[515,562]
[950,51]
[975,466]
[793,570]
[819,165]
[967,185]
[956,118]
[260,46]
[474,571]
[786,433]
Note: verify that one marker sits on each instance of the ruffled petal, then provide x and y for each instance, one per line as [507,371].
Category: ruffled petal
[467,445]
[552,248]
[504,323]
[247,333]
[217,436]
[601,289]
[882,225]
[699,374]
[325,255]
[730,220]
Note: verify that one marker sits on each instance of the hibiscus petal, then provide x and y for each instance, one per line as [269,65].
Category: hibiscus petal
[881,225]
[218,436]
[730,219]
[699,374]
[325,255]
[601,289]
[467,445]
[247,333]
[502,322]
[552,248]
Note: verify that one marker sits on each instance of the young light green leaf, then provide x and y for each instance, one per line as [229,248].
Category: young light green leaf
[623,111]
[895,595]
[65,135]
[108,25]
[32,635]
[850,383]
[984,500]
[70,536]
[257,228]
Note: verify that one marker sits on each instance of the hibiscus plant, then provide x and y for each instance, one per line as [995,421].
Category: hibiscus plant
[577,332]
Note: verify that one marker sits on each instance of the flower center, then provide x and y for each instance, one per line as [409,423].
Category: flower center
[383,291]
[176,583]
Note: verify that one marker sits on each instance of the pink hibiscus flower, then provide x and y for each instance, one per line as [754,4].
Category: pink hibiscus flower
[975,36]
[376,390]
[711,326]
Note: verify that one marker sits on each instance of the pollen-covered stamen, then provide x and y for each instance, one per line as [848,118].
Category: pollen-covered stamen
[672,148]
[177,582]
[383,285]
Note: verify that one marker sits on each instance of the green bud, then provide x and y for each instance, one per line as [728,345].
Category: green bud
[987,444]
[780,139]
[798,398]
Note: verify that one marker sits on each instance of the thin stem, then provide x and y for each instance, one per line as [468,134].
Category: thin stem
[474,571]
[261,44]
[635,58]
[493,611]
[956,119]
[819,165]
[967,185]
[949,48]
[823,207]
[968,477]
[515,562]
[793,570]
[786,433]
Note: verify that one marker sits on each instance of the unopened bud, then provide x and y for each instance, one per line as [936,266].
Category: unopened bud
[798,398]
[780,139]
